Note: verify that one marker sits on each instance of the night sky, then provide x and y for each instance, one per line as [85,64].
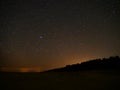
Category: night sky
[55,33]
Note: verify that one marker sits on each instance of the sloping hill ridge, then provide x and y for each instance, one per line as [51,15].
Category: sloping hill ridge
[111,63]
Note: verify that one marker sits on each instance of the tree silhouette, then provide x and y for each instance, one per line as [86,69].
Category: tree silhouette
[111,63]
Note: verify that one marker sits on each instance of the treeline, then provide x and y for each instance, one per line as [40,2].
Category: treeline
[111,63]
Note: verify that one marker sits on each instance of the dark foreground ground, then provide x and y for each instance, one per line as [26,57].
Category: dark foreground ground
[85,80]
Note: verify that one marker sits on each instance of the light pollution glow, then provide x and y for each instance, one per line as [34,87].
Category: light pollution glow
[21,69]
[55,33]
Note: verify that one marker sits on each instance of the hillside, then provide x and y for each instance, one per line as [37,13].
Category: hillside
[111,63]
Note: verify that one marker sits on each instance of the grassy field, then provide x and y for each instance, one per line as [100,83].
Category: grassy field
[85,80]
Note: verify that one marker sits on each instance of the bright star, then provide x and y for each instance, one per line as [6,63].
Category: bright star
[41,37]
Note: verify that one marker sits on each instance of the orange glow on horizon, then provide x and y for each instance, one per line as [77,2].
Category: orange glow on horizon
[21,69]
[24,69]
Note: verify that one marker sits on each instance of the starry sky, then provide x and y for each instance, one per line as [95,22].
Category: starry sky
[54,33]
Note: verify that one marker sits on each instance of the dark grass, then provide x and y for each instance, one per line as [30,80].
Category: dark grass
[84,80]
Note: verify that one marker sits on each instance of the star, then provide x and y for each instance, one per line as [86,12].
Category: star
[41,37]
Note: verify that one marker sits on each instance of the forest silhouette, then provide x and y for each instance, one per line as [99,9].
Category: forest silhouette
[111,63]
[97,74]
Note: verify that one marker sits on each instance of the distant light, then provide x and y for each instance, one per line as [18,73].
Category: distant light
[41,37]
[29,69]
[21,69]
